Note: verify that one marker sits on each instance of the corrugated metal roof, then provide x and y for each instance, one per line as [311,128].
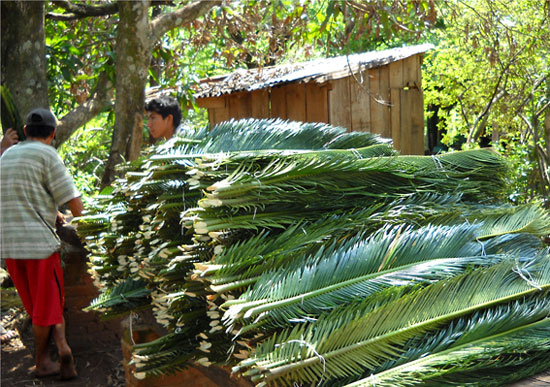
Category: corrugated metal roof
[320,70]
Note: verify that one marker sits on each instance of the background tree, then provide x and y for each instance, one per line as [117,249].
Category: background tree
[23,53]
[490,77]
[97,48]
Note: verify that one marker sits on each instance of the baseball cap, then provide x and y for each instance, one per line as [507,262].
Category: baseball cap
[42,117]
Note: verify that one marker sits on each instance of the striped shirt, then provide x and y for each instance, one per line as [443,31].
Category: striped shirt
[33,183]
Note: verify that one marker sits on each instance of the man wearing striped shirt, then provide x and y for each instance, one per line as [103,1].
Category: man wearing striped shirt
[33,184]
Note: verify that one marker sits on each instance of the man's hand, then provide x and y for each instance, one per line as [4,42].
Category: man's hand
[60,220]
[9,139]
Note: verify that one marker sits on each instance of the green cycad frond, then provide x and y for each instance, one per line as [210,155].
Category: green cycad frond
[463,168]
[461,331]
[250,221]
[257,134]
[280,171]
[495,219]
[250,134]
[129,293]
[525,245]
[527,219]
[475,326]
[324,174]
[476,162]
[391,257]
[89,225]
[368,341]
[168,354]
[471,363]
[268,250]
[356,140]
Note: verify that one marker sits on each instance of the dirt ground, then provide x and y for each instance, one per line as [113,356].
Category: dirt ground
[98,361]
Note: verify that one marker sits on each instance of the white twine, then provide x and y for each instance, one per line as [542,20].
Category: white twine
[519,271]
[310,346]
[372,380]
[132,316]
[438,163]
[483,253]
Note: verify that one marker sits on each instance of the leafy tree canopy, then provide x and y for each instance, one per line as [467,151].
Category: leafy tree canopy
[489,77]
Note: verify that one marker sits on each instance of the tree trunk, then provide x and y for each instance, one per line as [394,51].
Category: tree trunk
[133,52]
[23,54]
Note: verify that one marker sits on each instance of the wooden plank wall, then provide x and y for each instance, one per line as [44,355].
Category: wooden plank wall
[296,101]
[386,100]
[260,104]
[300,102]
[360,102]
[217,109]
[278,103]
[339,103]
[316,102]
[380,101]
[240,105]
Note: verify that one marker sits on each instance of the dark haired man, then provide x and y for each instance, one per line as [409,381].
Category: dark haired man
[164,116]
[33,183]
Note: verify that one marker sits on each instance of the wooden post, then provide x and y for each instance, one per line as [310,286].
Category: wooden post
[396,83]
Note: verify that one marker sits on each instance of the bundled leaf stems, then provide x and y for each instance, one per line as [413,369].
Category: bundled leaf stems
[299,254]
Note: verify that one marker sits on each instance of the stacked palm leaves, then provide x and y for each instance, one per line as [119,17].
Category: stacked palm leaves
[298,253]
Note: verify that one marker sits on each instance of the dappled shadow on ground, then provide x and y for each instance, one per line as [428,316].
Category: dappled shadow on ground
[98,361]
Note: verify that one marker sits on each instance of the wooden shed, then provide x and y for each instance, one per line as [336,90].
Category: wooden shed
[378,92]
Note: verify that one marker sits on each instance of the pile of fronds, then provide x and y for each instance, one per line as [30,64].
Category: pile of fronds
[298,253]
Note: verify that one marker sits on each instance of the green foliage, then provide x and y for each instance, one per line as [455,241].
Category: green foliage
[85,152]
[77,51]
[489,77]
[131,294]
[10,114]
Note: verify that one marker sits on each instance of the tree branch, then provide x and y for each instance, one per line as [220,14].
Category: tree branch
[475,131]
[542,109]
[190,12]
[100,99]
[529,97]
[527,122]
[79,10]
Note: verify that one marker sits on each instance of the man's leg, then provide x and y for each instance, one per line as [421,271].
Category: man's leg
[19,271]
[44,365]
[68,370]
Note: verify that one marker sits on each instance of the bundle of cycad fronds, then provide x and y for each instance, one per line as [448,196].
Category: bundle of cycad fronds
[299,253]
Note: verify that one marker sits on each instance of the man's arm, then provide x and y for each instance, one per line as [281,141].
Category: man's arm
[76,206]
[8,140]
